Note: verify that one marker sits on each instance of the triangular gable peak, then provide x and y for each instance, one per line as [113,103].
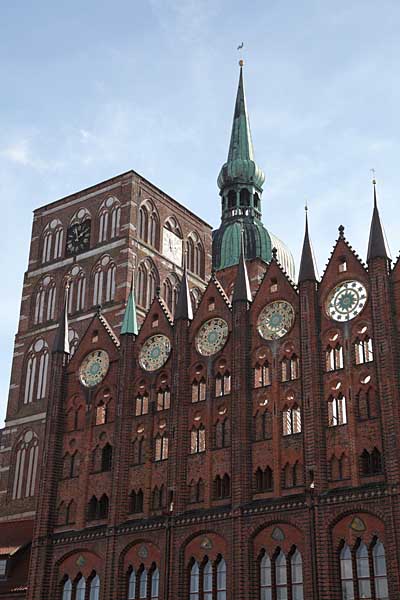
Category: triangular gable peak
[157,320]
[343,259]
[275,285]
[98,335]
[214,303]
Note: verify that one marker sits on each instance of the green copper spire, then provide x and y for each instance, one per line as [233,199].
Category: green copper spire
[129,324]
[240,182]
[241,168]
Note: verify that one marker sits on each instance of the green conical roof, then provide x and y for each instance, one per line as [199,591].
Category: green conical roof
[241,166]
[129,323]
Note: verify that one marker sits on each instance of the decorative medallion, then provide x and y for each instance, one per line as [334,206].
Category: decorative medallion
[206,544]
[94,368]
[154,352]
[143,551]
[346,300]
[277,534]
[211,337]
[357,524]
[275,320]
[80,561]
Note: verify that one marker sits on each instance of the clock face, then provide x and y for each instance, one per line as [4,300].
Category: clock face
[172,247]
[275,320]
[94,368]
[211,337]
[346,300]
[154,352]
[78,237]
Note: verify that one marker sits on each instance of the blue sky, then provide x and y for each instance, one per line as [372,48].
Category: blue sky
[91,89]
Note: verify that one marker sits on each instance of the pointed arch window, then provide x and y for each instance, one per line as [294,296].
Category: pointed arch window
[291,420]
[94,588]
[163,398]
[161,447]
[222,487]
[36,372]
[45,301]
[262,375]
[195,296]
[195,254]
[337,413]
[52,241]
[363,574]
[109,219]
[141,404]
[138,451]
[132,584]
[196,491]
[281,577]
[371,462]
[363,351]
[198,439]
[207,580]
[264,480]
[263,425]
[149,224]
[146,283]
[106,458]
[104,284]
[194,593]
[77,290]
[222,433]
[290,368]
[155,583]
[159,498]
[136,501]
[361,566]
[170,291]
[223,384]
[198,390]
[334,358]
[265,578]
[67,590]
[26,465]
[380,573]
[80,589]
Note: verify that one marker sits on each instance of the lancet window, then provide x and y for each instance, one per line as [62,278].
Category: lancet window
[222,433]
[198,439]
[26,465]
[291,420]
[77,289]
[281,575]
[104,274]
[149,224]
[363,572]
[222,487]
[264,480]
[334,358]
[371,462]
[290,368]
[363,351]
[170,291]
[109,219]
[196,491]
[143,583]
[52,241]
[146,283]
[45,301]
[207,579]
[161,447]
[195,254]
[337,413]
[262,374]
[36,372]
[98,509]
[136,501]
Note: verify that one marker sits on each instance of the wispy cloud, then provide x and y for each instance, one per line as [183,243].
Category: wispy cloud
[21,152]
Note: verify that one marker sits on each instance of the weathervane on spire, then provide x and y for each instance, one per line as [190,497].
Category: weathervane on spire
[241,61]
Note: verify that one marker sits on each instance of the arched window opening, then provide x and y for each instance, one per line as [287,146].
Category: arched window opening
[346,573]
[198,439]
[334,358]
[264,481]
[163,398]
[365,404]
[104,274]
[231,199]
[363,576]
[170,291]
[71,513]
[371,463]
[244,197]
[207,580]
[262,375]
[101,413]
[196,491]
[262,425]
[67,590]
[281,575]
[159,498]
[143,584]
[77,290]
[161,447]
[138,451]
[223,384]
[141,404]
[52,242]
[291,420]
[265,578]
[222,487]
[36,372]
[363,351]
[194,593]
[146,283]
[155,583]
[337,414]
[26,465]
[136,501]
[132,584]
[290,368]
[296,571]
[149,229]
[45,301]
[380,573]
[195,255]
[198,390]
[106,458]
[94,588]
[222,433]
[80,589]
[195,296]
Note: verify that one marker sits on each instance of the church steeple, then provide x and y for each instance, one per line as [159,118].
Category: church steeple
[61,342]
[308,271]
[129,323]
[377,246]
[241,184]
[242,290]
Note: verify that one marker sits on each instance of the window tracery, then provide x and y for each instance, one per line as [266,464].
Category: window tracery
[147,281]
[36,371]
[291,420]
[52,241]
[25,465]
[77,289]
[109,219]
[104,274]
[337,412]
[197,439]
[45,301]
[149,224]
[195,254]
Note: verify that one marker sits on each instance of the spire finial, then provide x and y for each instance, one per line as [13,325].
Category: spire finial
[377,245]
[341,231]
[274,253]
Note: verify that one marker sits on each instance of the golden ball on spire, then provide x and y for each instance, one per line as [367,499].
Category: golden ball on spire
[241,62]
